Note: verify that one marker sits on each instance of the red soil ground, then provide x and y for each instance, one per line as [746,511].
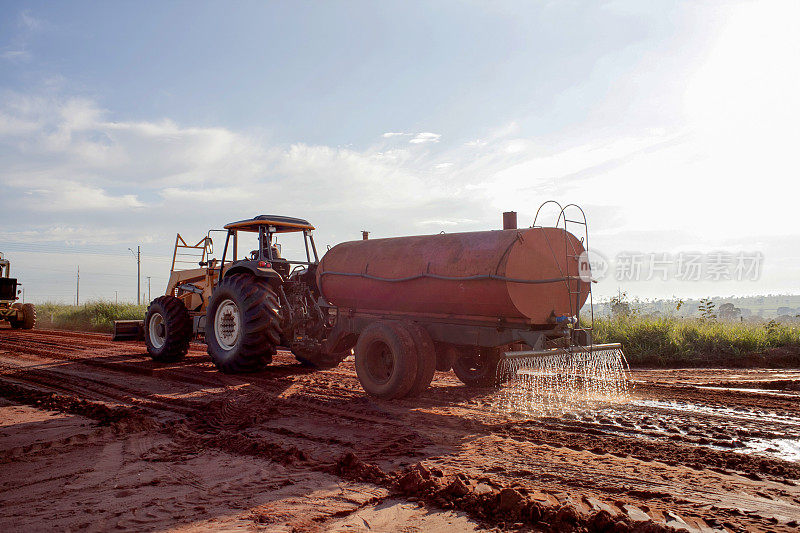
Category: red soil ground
[94,435]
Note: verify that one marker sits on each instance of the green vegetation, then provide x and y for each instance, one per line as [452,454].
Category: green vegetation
[671,341]
[656,341]
[93,316]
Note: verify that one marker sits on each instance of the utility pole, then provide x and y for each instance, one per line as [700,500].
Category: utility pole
[138,257]
[116,300]
[148,289]
[78,287]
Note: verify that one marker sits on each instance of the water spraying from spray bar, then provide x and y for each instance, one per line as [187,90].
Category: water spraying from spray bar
[554,381]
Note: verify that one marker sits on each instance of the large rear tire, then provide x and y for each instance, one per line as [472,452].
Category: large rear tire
[477,367]
[242,324]
[28,320]
[386,360]
[167,329]
[426,358]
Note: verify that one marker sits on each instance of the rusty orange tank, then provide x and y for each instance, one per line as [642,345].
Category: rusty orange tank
[521,275]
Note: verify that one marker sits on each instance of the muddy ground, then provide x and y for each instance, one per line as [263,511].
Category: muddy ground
[94,435]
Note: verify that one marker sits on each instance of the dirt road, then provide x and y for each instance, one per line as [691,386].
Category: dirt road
[94,435]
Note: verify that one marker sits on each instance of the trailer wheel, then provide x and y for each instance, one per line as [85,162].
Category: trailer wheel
[426,358]
[167,329]
[386,360]
[477,367]
[242,324]
[445,355]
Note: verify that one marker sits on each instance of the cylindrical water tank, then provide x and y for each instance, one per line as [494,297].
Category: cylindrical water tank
[529,274]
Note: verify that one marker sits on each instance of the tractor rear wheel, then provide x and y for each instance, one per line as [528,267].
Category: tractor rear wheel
[386,360]
[242,324]
[426,358]
[167,329]
[477,367]
[28,316]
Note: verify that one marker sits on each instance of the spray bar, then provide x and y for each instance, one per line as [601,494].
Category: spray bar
[557,351]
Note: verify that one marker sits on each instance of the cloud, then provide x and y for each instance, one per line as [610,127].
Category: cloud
[66,167]
[73,196]
[65,162]
[425,137]
[29,22]
[17,56]
[475,142]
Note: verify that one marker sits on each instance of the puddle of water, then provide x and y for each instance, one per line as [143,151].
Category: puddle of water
[726,412]
[787,449]
[766,392]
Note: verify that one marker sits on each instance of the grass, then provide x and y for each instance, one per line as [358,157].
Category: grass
[673,342]
[93,316]
[647,341]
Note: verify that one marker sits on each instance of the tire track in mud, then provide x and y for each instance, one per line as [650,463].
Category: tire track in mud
[587,437]
[315,420]
[417,482]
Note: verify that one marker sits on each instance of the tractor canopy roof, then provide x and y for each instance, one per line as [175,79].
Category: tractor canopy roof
[282,224]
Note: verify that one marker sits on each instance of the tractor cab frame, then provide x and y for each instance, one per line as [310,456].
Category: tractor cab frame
[266,261]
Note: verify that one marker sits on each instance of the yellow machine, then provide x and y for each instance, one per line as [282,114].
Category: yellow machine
[19,316]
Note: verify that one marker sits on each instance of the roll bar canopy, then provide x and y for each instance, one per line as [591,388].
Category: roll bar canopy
[280,223]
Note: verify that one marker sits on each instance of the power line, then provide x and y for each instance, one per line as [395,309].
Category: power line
[56,249]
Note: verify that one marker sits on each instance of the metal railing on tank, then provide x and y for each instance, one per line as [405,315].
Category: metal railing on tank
[582,333]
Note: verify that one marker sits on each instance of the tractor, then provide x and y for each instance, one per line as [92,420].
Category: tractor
[405,306]
[18,315]
[246,306]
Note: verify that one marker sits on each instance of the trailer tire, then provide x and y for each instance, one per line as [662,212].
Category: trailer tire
[167,329]
[386,360]
[242,324]
[426,358]
[478,367]
[445,355]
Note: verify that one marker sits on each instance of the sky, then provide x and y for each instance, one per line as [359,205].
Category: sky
[674,125]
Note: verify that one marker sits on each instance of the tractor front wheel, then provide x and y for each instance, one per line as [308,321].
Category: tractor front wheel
[242,324]
[167,329]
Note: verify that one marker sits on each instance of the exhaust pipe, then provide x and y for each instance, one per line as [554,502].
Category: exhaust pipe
[510,220]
